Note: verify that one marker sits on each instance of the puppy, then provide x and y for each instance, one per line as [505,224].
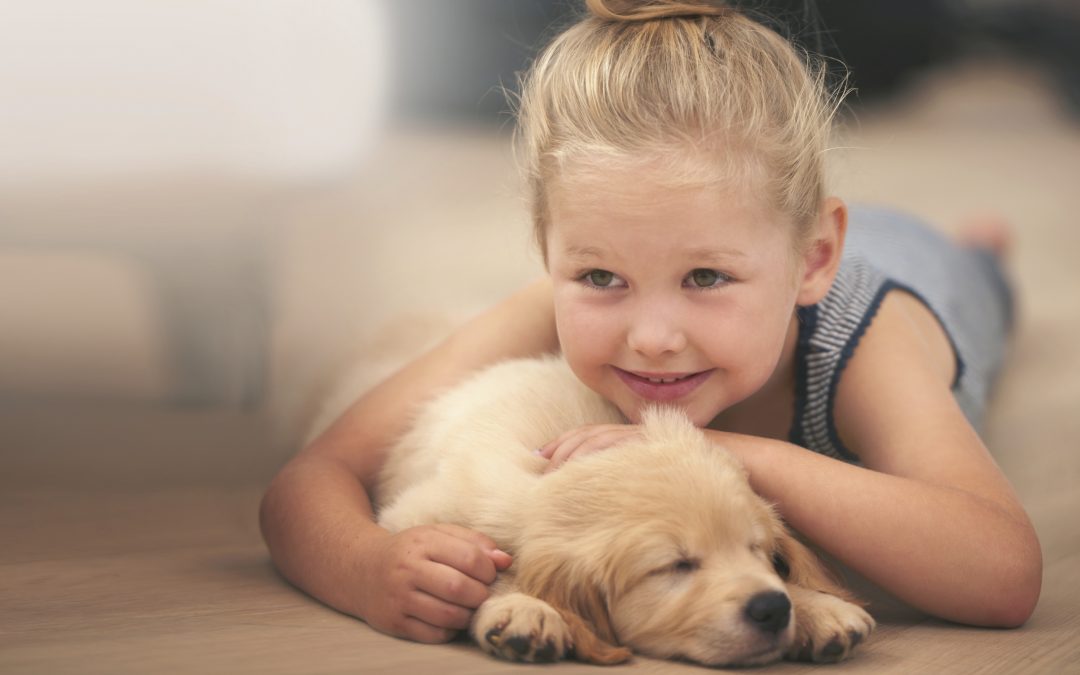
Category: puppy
[657,546]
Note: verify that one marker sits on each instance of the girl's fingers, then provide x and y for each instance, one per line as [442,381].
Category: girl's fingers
[465,534]
[600,439]
[421,631]
[437,576]
[564,451]
[548,450]
[469,563]
[437,614]
[443,579]
[574,437]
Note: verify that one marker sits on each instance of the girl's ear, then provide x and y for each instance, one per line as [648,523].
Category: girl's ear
[821,259]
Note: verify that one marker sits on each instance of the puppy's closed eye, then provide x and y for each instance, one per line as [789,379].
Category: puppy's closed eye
[780,564]
[685,566]
[678,567]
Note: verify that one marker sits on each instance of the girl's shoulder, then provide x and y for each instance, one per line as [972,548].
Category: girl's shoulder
[899,282]
[895,400]
[867,326]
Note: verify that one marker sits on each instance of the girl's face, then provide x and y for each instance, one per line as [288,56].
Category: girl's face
[681,296]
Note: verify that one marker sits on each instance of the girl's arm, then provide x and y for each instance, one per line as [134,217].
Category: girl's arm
[929,516]
[950,553]
[317,518]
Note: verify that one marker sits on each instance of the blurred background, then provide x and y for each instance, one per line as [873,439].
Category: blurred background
[212,212]
[221,220]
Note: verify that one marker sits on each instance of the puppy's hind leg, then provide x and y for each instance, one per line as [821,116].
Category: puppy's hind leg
[425,503]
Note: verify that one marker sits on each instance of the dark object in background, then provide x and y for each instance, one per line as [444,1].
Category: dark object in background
[884,43]
[453,56]
[1047,32]
[881,43]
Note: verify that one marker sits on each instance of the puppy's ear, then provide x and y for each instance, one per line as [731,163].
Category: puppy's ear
[580,603]
[588,646]
[798,565]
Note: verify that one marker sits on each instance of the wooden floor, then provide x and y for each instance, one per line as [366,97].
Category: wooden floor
[113,576]
[128,533]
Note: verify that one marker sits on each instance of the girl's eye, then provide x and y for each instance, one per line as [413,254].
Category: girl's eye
[600,278]
[706,278]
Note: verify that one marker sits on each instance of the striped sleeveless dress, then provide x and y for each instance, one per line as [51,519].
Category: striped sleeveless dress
[886,250]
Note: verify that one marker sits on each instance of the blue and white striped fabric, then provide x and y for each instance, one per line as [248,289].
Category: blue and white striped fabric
[887,250]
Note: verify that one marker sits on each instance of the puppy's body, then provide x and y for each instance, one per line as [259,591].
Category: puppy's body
[469,457]
[658,545]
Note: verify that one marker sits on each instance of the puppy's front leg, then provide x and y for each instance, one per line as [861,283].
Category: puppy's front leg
[519,627]
[827,628]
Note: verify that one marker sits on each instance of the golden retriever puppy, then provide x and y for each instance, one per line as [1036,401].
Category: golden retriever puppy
[657,546]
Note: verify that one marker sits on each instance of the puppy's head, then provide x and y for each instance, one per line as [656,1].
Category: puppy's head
[660,545]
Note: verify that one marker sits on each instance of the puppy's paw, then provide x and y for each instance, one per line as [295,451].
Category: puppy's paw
[519,627]
[827,628]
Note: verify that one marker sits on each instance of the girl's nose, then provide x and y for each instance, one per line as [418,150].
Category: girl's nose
[652,334]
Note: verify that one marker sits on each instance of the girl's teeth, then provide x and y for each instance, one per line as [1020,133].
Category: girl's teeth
[660,380]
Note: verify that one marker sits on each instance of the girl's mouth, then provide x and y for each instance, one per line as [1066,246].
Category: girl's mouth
[662,386]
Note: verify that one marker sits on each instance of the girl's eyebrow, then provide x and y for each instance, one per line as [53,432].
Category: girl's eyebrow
[583,252]
[714,255]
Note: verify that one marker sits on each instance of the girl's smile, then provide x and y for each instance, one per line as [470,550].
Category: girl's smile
[662,387]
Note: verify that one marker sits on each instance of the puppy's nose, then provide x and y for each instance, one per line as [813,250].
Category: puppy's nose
[769,611]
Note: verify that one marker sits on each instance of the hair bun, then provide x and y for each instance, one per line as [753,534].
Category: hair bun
[646,10]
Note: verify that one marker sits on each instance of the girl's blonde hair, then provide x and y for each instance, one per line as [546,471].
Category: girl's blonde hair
[653,80]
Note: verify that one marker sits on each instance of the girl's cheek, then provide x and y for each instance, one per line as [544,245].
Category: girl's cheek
[573,318]
[585,336]
[570,336]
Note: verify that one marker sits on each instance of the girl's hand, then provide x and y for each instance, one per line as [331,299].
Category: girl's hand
[424,583]
[585,440]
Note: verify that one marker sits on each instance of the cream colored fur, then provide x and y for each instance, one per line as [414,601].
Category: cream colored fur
[656,546]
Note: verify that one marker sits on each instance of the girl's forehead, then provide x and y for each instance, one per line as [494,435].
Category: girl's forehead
[633,210]
[635,198]
[709,234]
[672,178]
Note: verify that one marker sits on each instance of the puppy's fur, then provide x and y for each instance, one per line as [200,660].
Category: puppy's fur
[657,546]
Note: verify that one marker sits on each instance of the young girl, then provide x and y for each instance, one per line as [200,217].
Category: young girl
[675,159]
